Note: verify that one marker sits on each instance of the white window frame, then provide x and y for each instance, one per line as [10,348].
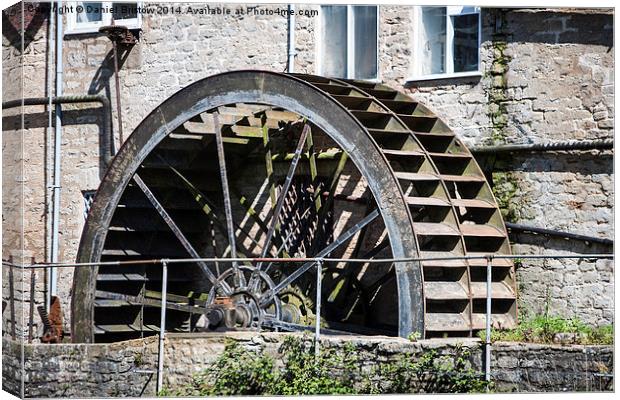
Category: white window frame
[74,27]
[451,11]
[350,73]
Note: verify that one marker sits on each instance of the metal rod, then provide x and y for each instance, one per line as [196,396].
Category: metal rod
[552,232]
[175,229]
[117,83]
[290,65]
[12,299]
[284,191]
[31,315]
[107,135]
[317,327]
[325,252]
[602,144]
[162,326]
[226,195]
[316,259]
[487,348]
[48,145]
[56,188]
[207,205]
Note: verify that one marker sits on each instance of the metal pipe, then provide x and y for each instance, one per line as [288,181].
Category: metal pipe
[487,348]
[106,137]
[162,326]
[57,159]
[317,324]
[601,144]
[12,300]
[291,39]
[552,232]
[316,259]
[49,150]
[117,83]
[31,314]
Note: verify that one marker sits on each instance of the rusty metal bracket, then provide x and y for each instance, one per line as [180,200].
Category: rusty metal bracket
[52,322]
[119,34]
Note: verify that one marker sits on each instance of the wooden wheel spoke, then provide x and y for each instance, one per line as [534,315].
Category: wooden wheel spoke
[285,188]
[323,253]
[175,229]
[313,168]
[252,213]
[206,205]
[325,207]
[226,196]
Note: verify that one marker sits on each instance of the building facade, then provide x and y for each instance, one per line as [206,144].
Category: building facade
[496,76]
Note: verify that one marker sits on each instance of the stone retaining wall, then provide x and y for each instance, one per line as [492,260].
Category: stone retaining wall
[127,368]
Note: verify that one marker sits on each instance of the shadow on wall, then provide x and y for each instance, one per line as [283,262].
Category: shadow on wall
[105,72]
[82,116]
[34,18]
[558,243]
[585,163]
[560,27]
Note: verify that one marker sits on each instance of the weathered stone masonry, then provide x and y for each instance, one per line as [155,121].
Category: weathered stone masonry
[121,369]
[547,75]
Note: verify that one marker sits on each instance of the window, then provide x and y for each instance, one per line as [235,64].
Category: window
[348,42]
[89,197]
[95,14]
[448,42]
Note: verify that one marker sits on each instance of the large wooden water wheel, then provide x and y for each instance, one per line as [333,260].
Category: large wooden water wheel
[261,164]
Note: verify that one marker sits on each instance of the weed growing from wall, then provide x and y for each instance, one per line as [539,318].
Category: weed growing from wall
[545,328]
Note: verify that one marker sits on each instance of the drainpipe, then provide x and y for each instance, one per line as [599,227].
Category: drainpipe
[48,152]
[291,38]
[53,278]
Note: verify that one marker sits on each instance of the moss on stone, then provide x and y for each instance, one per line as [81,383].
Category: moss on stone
[505,188]
[497,96]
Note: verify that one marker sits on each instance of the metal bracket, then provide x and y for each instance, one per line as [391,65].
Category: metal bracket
[119,34]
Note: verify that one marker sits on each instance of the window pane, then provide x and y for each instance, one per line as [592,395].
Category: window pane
[465,47]
[334,41]
[124,11]
[91,13]
[433,40]
[365,23]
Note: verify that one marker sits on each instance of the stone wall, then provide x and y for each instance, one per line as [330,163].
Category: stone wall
[23,155]
[127,368]
[547,75]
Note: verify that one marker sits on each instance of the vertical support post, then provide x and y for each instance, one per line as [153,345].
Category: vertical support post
[487,348]
[31,316]
[317,326]
[117,83]
[12,299]
[162,326]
